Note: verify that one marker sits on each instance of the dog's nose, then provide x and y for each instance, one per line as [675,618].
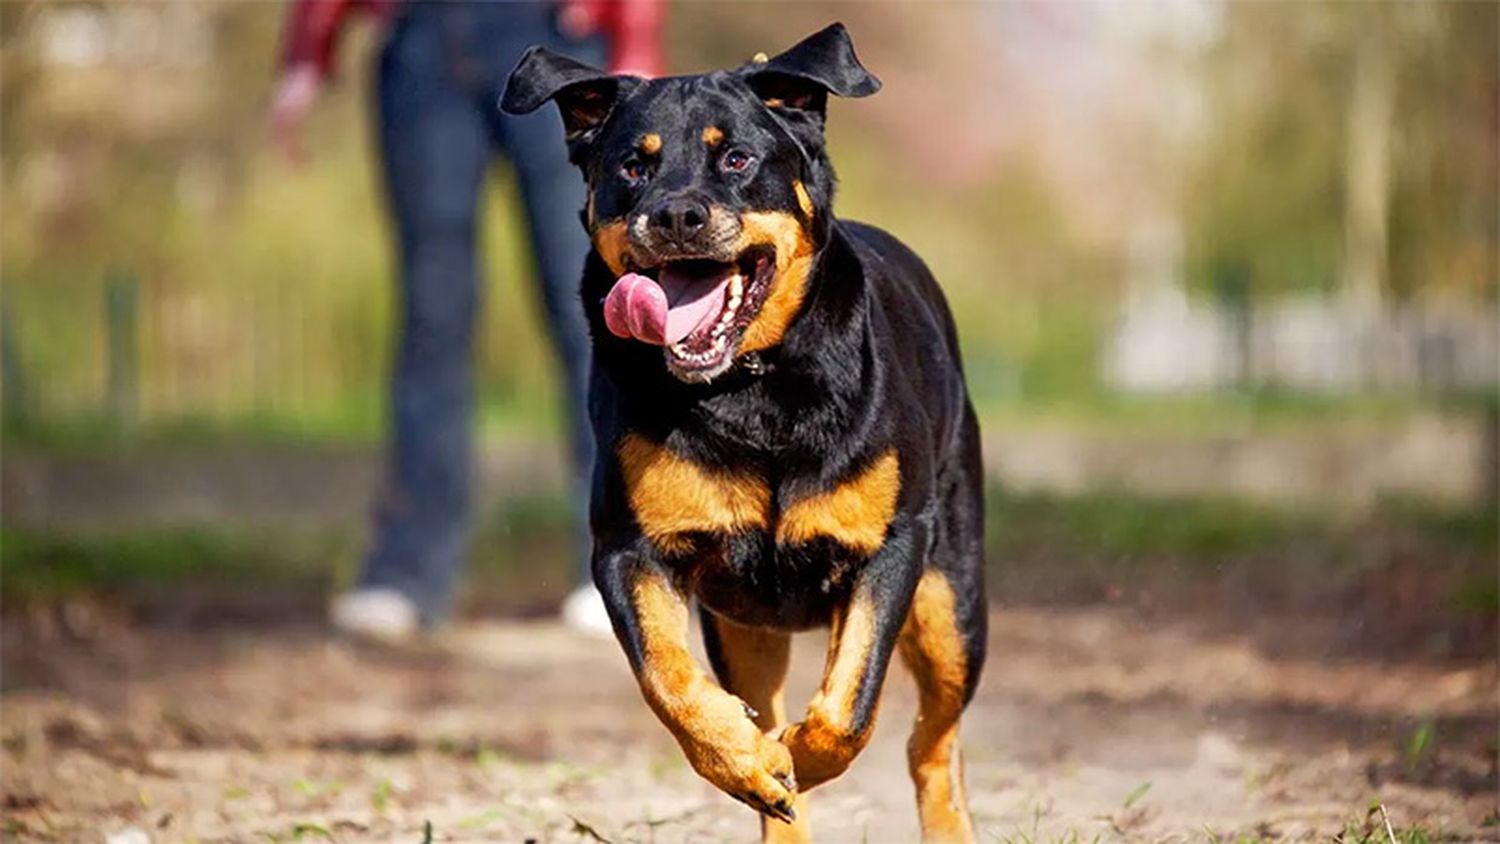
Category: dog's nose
[680,218]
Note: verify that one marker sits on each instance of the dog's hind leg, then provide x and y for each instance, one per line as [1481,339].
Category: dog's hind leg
[943,643]
[934,646]
[751,664]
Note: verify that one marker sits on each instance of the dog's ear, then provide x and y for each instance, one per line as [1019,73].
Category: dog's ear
[585,95]
[802,77]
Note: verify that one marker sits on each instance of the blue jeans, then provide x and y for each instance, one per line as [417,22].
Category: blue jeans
[441,73]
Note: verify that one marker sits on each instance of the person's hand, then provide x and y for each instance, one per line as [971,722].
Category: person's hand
[296,92]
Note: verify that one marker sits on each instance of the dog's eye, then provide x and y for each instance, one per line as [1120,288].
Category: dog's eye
[735,161]
[633,170]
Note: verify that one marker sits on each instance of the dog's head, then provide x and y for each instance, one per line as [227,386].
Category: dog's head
[708,195]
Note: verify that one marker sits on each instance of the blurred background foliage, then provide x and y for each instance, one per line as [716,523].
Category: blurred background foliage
[166,275]
[1274,178]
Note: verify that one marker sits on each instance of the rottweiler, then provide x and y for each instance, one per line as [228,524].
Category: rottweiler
[784,430]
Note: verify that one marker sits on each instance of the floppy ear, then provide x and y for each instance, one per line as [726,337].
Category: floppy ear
[585,95]
[820,64]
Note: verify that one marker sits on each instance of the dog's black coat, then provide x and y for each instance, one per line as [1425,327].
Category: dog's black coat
[869,364]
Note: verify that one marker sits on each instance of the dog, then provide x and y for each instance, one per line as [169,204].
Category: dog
[784,430]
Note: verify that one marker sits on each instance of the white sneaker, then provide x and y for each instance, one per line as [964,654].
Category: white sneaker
[583,610]
[376,613]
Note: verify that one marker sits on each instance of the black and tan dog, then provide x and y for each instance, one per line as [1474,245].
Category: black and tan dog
[783,427]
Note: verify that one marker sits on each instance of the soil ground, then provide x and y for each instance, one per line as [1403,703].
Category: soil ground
[1093,723]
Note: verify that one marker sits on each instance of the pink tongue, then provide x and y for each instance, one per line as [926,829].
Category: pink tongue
[662,314]
[696,300]
[636,308]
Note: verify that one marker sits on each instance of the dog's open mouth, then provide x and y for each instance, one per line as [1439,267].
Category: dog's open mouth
[697,308]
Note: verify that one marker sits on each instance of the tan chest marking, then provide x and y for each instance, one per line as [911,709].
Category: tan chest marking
[672,496]
[856,513]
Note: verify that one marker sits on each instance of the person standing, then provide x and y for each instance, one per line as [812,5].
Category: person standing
[440,73]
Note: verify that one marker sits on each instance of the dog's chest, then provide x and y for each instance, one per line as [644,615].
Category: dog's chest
[739,529]
[675,500]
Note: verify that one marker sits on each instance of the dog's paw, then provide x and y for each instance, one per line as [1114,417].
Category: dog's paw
[820,751]
[738,758]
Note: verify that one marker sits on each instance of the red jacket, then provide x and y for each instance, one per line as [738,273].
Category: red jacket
[633,28]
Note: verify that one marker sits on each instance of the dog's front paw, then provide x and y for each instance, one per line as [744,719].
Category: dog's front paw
[820,750]
[733,754]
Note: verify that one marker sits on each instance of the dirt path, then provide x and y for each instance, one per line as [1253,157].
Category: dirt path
[1087,724]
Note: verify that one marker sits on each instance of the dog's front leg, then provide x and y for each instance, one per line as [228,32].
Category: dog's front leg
[713,727]
[841,715]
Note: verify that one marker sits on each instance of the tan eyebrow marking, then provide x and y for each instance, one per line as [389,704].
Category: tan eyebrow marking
[713,136]
[650,143]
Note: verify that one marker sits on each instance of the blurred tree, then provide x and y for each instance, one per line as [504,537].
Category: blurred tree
[1367,168]
[1445,201]
[143,107]
[1350,146]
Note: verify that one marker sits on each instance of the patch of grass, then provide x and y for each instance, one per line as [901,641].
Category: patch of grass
[314,790]
[1131,526]
[481,820]
[1239,558]
[522,557]
[487,758]
[1420,743]
[1377,828]
[303,831]
[1477,528]
[41,567]
[350,420]
[1218,413]
[1209,529]
[1365,834]
[1072,836]
[1478,595]
[1372,830]
[380,795]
